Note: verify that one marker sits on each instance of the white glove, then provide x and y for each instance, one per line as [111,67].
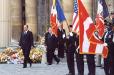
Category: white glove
[113,38]
[63,36]
[77,49]
[105,44]
[71,34]
[67,37]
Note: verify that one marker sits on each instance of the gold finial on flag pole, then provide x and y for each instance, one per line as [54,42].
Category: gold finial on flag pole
[54,2]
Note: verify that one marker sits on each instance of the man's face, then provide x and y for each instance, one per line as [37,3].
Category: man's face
[60,26]
[50,30]
[25,28]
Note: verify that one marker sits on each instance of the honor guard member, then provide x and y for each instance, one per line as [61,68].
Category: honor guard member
[61,41]
[71,42]
[109,61]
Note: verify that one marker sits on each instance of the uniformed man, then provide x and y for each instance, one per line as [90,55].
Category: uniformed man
[72,48]
[109,61]
[61,41]
[72,41]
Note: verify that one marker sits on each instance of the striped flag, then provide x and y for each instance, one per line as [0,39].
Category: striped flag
[57,16]
[102,13]
[104,10]
[53,19]
[75,22]
[89,44]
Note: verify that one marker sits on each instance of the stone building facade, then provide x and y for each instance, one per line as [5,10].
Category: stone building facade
[15,13]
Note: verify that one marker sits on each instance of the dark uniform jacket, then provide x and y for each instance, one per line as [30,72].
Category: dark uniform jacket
[109,38]
[72,43]
[61,40]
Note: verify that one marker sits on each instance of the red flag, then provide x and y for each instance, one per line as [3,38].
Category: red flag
[57,16]
[89,44]
[100,20]
[53,20]
[102,13]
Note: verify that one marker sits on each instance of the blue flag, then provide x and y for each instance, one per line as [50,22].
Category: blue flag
[105,8]
[60,14]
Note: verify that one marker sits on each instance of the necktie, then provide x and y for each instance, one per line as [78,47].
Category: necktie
[25,33]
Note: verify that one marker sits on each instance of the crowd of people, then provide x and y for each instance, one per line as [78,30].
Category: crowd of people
[69,45]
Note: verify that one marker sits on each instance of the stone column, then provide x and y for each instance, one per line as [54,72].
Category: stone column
[43,16]
[68,12]
[31,15]
[4,23]
[16,19]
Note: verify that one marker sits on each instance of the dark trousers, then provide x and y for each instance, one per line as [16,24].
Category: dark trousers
[80,63]
[61,49]
[91,64]
[50,55]
[109,62]
[112,65]
[107,65]
[112,61]
[70,62]
[26,53]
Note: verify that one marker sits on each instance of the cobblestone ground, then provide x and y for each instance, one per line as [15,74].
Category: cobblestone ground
[40,69]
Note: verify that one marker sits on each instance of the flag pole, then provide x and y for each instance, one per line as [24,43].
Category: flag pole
[67,25]
[79,29]
[54,2]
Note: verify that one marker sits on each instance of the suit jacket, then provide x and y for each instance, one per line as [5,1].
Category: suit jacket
[26,40]
[51,41]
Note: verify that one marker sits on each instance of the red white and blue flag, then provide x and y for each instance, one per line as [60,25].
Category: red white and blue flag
[57,16]
[102,13]
[75,22]
[88,42]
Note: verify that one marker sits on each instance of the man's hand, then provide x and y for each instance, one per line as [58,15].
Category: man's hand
[32,47]
[63,36]
[71,34]
[77,49]
[19,47]
[105,44]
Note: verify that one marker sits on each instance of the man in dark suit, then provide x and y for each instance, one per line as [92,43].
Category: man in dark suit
[51,45]
[26,42]
[61,41]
